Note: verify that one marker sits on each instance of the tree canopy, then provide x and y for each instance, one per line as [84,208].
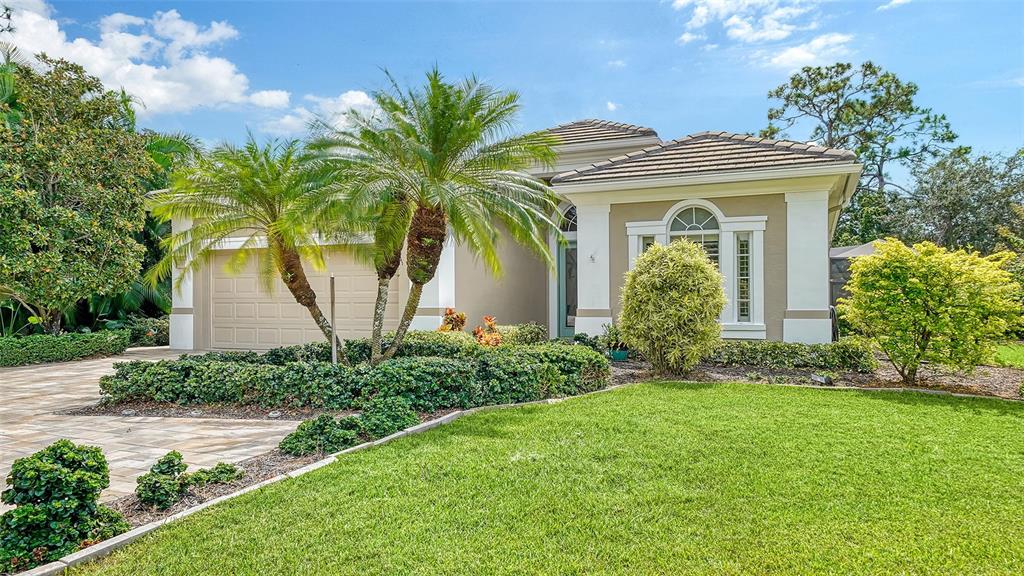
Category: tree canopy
[71,191]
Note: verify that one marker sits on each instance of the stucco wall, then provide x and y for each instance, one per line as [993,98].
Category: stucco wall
[771,205]
[519,295]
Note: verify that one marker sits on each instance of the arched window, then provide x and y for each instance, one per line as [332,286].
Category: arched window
[568,223]
[698,225]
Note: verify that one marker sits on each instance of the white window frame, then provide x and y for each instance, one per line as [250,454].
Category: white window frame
[728,227]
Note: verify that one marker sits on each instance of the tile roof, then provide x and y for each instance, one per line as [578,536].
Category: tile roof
[707,152]
[591,130]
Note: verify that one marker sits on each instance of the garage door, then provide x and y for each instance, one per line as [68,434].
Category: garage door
[245,315]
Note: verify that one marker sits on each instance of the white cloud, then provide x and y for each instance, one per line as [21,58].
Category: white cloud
[330,110]
[819,50]
[161,59]
[688,37]
[749,20]
[617,63]
[892,4]
[611,106]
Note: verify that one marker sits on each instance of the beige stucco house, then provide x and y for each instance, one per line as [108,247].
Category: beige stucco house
[764,210]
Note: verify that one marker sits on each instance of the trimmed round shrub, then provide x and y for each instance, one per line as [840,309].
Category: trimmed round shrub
[324,434]
[56,493]
[671,302]
[383,416]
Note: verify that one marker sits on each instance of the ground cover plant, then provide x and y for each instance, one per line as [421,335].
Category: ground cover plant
[37,348]
[666,478]
[167,482]
[56,497]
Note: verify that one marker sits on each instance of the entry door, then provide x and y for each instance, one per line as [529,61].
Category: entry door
[567,290]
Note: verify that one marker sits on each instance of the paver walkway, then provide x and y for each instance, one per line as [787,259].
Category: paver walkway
[29,396]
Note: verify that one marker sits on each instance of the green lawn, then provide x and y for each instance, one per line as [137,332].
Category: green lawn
[651,479]
[1010,355]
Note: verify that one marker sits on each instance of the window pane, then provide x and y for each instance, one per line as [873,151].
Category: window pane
[645,243]
[694,219]
[742,279]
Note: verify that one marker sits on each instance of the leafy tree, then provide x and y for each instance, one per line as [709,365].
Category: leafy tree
[929,304]
[70,192]
[871,112]
[11,112]
[962,201]
[433,162]
[671,302]
[244,191]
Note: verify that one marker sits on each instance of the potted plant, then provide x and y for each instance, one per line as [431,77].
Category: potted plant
[617,349]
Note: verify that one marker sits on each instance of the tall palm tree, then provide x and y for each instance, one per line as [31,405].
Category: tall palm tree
[435,161]
[245,190]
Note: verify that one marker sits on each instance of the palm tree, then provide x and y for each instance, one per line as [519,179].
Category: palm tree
[431,162]
[245,190]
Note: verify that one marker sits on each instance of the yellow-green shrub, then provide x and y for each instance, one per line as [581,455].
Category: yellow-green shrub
[670,306]
[928,304]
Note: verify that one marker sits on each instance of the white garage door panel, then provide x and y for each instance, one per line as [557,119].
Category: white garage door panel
[245,315]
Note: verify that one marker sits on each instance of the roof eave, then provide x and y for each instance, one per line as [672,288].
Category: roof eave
[568,188]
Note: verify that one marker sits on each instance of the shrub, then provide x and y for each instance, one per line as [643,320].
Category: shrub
[452,321]
[324,434]
[529,333]
[310,352]
[427,383]
[928,304]
[56,493]
[148,331]
[487,335]
[383,416]
[593,342]
[166,482]
[582,369]
[847,354]
[671,302]
[21,350]
[508,375]
[416,343]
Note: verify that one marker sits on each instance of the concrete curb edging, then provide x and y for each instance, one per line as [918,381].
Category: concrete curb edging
[107,547]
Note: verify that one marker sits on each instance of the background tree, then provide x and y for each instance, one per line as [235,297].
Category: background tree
[71,192]
[929,304]
[244,192]
[962,201]
[871,112]
[441,159]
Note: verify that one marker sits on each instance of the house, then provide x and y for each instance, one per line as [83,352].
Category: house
[764,210]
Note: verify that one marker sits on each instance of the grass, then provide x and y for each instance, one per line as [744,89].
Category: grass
[1010,355]
[651,479]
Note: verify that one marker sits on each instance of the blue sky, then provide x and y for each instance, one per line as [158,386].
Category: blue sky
[218,69]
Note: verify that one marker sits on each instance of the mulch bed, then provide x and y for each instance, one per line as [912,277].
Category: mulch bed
[257,469]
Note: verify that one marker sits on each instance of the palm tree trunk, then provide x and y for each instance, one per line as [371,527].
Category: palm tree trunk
[294,277]
[379,308]
[427,232]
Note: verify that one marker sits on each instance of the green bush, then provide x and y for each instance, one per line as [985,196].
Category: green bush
[324,434]
[383,416]
[56,493]
[671,302]
[310,352]
[427,383]
[166,482]
[848,354]
[529,333]
[929,304]
[508,376]
[21,350]
[582,368]
[148,331]
[416,343]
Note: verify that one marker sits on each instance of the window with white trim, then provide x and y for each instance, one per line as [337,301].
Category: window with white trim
[743,277]
[699,226]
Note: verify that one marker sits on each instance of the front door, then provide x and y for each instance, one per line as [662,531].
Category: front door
[567,290]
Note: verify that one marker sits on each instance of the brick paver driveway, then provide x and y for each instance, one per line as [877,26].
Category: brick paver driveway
[29,396]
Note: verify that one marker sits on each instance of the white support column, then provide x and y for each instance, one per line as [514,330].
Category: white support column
[727,266]
[182,319]
[592,253]
[807,300]
[439,293]
[757,276]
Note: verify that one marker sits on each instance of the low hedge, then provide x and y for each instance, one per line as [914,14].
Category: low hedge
[149,331]
[848,354]
[529,333]
[21,350]
[478,376]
